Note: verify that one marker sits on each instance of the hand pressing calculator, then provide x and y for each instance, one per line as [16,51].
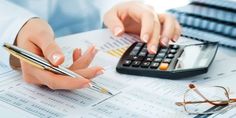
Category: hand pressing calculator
[172,62]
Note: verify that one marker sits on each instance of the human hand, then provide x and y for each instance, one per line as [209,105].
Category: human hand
[37,36]
[141,19]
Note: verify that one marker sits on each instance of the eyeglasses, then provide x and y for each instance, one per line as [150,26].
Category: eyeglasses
[205,100]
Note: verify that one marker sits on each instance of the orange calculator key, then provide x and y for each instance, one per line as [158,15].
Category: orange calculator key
[163,66]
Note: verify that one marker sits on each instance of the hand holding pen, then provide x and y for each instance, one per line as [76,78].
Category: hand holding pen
[43,64]
[40,41]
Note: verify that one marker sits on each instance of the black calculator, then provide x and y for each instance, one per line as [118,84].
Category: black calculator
[172,62]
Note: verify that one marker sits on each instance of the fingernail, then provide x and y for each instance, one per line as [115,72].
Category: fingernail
[100,72]
[176,37]
[165,41]
[117,30]
[90,49]
[56,57]
[86,86]
[94,50]
[78,49]
[153,49]
[145,38]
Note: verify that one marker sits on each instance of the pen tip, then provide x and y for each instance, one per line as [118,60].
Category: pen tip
[109,93]
[103,90]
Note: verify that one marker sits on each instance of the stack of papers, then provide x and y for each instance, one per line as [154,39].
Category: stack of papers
[135,96]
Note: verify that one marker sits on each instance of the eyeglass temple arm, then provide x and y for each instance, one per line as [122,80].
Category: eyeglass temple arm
[232,100]
[196,102]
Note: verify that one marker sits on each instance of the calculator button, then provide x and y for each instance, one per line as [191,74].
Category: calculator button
[139,44]
[172,51]
[136,63]
[145,64]
[135,58]
[163,50]
[145,46]
[132,57]
[161,55]
[134,52]
[127,63]
[163,66]
[167,60]
[149,59]
[142,53]
[170,56]
[154,65]
[144,49]
[157,59]
[174,46]
[151,55]
[137,48]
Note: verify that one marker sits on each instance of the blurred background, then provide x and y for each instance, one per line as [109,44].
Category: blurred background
[163,5]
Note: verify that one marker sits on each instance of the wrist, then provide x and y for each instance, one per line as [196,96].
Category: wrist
[15,62]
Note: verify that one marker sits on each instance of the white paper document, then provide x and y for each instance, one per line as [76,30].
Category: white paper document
[134,96]
[230,112]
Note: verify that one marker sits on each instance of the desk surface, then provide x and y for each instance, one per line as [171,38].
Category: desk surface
[228,51]
[130,99]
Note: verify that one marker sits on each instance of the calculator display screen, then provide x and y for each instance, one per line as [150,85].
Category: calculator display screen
[193,56]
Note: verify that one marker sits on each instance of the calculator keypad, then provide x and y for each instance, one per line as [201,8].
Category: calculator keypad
[139,57]
[165,63]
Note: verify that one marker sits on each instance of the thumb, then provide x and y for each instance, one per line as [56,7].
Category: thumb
[37,34]
[51,51]
[113,22]
[54,54]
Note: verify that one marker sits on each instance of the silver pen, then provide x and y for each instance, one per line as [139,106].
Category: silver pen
[41,63]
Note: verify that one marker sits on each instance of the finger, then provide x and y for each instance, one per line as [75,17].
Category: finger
[168,31]
[85,59]
[27,74]
[147,17]
[178,31]
[90,72]
[113,22]
[55,81]
[147,27]
[50,49]
[52,80]
[153,43]
[76,54]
